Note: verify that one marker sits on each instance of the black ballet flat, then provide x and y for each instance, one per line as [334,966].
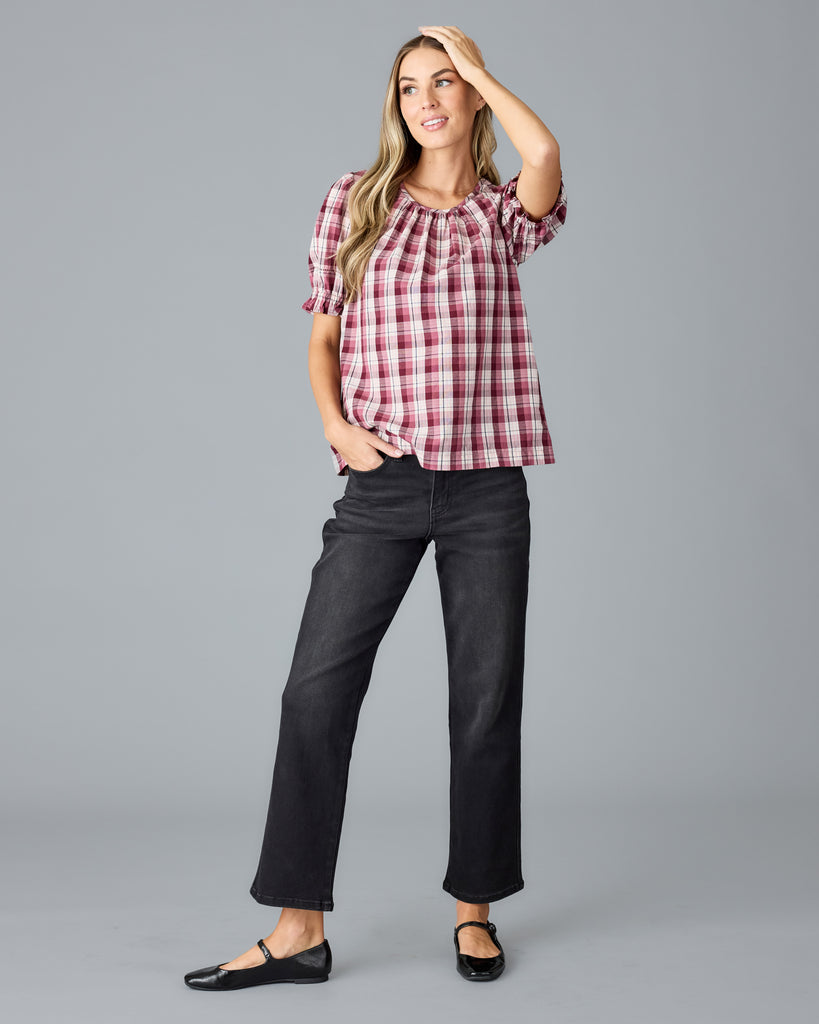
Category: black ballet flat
[480,968]
[311,965]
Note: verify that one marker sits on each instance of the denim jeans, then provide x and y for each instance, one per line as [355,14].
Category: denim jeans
[383,523]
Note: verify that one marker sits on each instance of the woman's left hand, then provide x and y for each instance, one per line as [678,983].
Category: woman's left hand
[462,50]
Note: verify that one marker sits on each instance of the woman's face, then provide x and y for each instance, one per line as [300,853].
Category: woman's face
[429,89]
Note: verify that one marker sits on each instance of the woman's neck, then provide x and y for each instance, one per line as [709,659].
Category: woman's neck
[443,178]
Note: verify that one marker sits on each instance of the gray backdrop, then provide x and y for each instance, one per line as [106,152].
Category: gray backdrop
[165,478]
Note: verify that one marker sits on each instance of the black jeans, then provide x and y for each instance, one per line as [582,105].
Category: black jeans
[479,520]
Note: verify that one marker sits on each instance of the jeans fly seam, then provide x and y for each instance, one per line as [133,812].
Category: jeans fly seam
[431,514]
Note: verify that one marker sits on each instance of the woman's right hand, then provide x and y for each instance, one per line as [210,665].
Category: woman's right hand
[358,446]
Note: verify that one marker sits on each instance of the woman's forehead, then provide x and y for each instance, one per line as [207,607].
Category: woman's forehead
[424,62]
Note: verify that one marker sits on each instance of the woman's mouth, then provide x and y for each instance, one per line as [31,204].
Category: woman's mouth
[434,123]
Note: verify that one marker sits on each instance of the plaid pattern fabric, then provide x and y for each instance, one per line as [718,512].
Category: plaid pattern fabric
[436,354]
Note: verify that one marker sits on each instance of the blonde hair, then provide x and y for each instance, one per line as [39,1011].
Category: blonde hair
[371,198]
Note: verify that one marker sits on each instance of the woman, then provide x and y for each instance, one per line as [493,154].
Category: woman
[422,367]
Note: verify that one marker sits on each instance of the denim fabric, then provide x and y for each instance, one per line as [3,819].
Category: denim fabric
[383,523]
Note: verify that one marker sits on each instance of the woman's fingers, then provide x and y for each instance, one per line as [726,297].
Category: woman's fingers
[464,52]
[360,455]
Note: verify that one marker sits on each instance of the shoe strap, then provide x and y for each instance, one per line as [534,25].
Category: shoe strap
[264,949]
[487,925]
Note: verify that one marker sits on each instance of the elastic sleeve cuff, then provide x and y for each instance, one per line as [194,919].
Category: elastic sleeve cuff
[524,233]
[321,302]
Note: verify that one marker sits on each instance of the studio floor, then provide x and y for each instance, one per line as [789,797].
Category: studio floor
[681,912]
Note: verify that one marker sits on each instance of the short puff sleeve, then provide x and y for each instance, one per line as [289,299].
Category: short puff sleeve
[332,226]
[522,234]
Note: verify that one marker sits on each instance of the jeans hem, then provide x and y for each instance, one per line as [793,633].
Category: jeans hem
[286,901]
[483,898]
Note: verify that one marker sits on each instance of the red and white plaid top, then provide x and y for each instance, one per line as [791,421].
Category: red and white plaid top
[436,355]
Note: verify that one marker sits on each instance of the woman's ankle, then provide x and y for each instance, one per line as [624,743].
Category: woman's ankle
[471,911]
[298,923]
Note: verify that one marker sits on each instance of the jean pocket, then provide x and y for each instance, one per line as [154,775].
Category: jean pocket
[369,472]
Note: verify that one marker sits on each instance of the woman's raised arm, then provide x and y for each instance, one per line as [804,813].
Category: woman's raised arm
[539,182]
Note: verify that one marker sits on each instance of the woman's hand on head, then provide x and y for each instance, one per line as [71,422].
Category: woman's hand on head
[358,446]
[462,51]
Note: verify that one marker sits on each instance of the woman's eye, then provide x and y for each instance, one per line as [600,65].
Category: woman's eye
[405,90]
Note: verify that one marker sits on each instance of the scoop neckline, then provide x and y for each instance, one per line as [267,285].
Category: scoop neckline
[449,209]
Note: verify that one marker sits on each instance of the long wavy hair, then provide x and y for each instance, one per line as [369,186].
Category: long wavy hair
[371,198]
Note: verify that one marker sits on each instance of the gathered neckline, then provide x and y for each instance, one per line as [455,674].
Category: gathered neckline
[449,209]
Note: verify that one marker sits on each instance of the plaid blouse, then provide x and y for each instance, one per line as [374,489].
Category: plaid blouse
[436,355]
